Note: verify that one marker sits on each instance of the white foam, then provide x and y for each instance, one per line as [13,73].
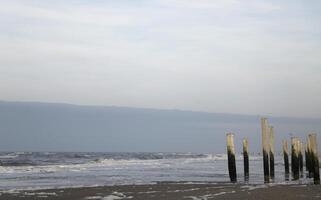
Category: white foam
[251,187]
[47,193]
[116,195]
[11,191]
[205,197]
[29,193]
[194,198]
[219,157]
[112,197]
[8,156]
[148,192]
[186,190]
[93,197]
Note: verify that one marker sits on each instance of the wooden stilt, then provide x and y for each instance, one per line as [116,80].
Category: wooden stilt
[271,155]
[306,158]
[286,159]
[231,157]
[295,158]
[246,159]
[315,158]
[265,149]
[309,157]
[301,150]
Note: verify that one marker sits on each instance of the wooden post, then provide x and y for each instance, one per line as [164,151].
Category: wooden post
[231,157]
[295,158]
[246,159]
[271,145]
[315,159]
[301,158]
[306,158]
[265,149]
[286,159]
[309,157]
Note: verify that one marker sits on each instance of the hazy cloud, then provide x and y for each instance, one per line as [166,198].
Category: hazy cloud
[255,57]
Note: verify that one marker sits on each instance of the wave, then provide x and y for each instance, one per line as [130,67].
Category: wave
[117,163]
[51,158]
[48,158]
[9,156]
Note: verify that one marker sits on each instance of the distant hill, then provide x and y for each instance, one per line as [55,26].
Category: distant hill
[31,126]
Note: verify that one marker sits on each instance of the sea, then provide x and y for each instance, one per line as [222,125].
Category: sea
[43,170]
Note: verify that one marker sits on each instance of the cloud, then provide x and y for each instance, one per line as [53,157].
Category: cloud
[223,56]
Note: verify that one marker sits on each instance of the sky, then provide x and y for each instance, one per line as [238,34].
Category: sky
[231,56]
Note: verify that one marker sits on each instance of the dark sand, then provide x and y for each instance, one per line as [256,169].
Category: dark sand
[174,191]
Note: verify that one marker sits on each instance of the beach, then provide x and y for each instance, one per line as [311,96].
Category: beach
[173,191]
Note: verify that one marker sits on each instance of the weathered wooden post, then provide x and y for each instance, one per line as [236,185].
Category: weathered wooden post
[271,147]
[309,158]
[301,158]
[306,158]
[298,146]
[231,157]
[246,159]
[295,158]
[315,159]
[286,159]
[265,149]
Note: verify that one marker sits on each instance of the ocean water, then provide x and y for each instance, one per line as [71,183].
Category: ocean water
[35,170]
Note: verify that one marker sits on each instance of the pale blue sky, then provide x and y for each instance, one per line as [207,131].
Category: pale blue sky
[235,56]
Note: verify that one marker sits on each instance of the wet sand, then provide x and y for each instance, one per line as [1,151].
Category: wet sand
[173,191]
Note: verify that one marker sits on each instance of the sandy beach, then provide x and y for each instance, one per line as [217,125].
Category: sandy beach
[173,191]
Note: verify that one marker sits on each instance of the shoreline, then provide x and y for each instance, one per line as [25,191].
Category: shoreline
[173,191]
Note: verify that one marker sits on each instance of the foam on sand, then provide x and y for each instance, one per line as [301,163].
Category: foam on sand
[253,187]
[116,195]
[208,196]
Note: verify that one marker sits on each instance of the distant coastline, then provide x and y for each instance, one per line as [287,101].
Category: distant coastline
[32,126]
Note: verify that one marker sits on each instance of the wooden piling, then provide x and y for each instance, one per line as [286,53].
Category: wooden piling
[286,159]
[309,158]
[231,157]
[306,158]
[246,159]
[271,147]
[315,158]
[295,158]
[265,149]
[301,150]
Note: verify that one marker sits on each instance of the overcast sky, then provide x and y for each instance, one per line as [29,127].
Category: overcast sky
[249,57]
